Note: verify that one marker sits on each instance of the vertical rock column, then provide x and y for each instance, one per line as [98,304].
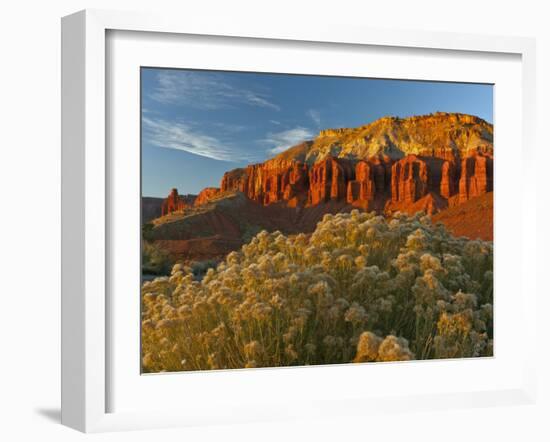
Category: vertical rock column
[328,180]
[409,180]
[476,176]
[172,203]
[361,191]
[447,187]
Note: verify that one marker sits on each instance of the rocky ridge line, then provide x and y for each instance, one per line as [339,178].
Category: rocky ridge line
[419,163]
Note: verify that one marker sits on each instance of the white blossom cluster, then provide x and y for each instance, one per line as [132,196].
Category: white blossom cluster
[360,288]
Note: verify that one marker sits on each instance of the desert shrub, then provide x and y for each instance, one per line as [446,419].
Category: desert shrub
[360,288]
[199,268]
[249,231]
[154,260]
[146,231]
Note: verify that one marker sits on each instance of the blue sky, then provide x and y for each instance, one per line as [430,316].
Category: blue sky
[196,125]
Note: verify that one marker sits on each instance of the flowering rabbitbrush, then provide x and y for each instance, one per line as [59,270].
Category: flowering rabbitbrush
[360,288]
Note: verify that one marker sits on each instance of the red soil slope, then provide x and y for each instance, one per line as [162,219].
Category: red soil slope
[473,219]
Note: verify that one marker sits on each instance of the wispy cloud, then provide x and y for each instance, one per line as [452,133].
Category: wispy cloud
[280,141]
[315,116]
[205,91]
[181,136]
[229,128]
[275,122]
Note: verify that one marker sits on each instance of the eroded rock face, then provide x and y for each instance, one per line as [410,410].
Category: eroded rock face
[206,195]
[234,180]
[328,180]
[373,184]
[417,163]
[269,182]
[363,188]
[175,202]
[442,135]
[409,179]
[476,176]
[447,187]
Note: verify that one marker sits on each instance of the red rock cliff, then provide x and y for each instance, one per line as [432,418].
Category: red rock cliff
[417,163]
[175,202]
[328,180]
[372,184]
[206,195]
[476,176]
[409,180]
[269,182]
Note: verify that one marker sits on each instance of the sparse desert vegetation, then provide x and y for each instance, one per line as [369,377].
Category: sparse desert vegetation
[360,288]
[154,260]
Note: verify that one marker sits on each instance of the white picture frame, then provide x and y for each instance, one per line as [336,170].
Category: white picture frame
[86,317]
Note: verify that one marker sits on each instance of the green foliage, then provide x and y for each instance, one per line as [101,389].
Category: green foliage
[199,268]
[360,288]
[154,260]
[146,231]
[249,232]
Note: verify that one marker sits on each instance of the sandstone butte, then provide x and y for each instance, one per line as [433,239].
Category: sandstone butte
[428,162]
[176,203]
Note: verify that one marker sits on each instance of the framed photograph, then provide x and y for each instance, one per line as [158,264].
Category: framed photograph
[267,223]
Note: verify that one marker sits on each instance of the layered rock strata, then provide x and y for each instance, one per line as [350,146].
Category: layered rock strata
[418,163]
[176,203]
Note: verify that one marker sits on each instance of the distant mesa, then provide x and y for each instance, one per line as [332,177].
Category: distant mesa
[151,208]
